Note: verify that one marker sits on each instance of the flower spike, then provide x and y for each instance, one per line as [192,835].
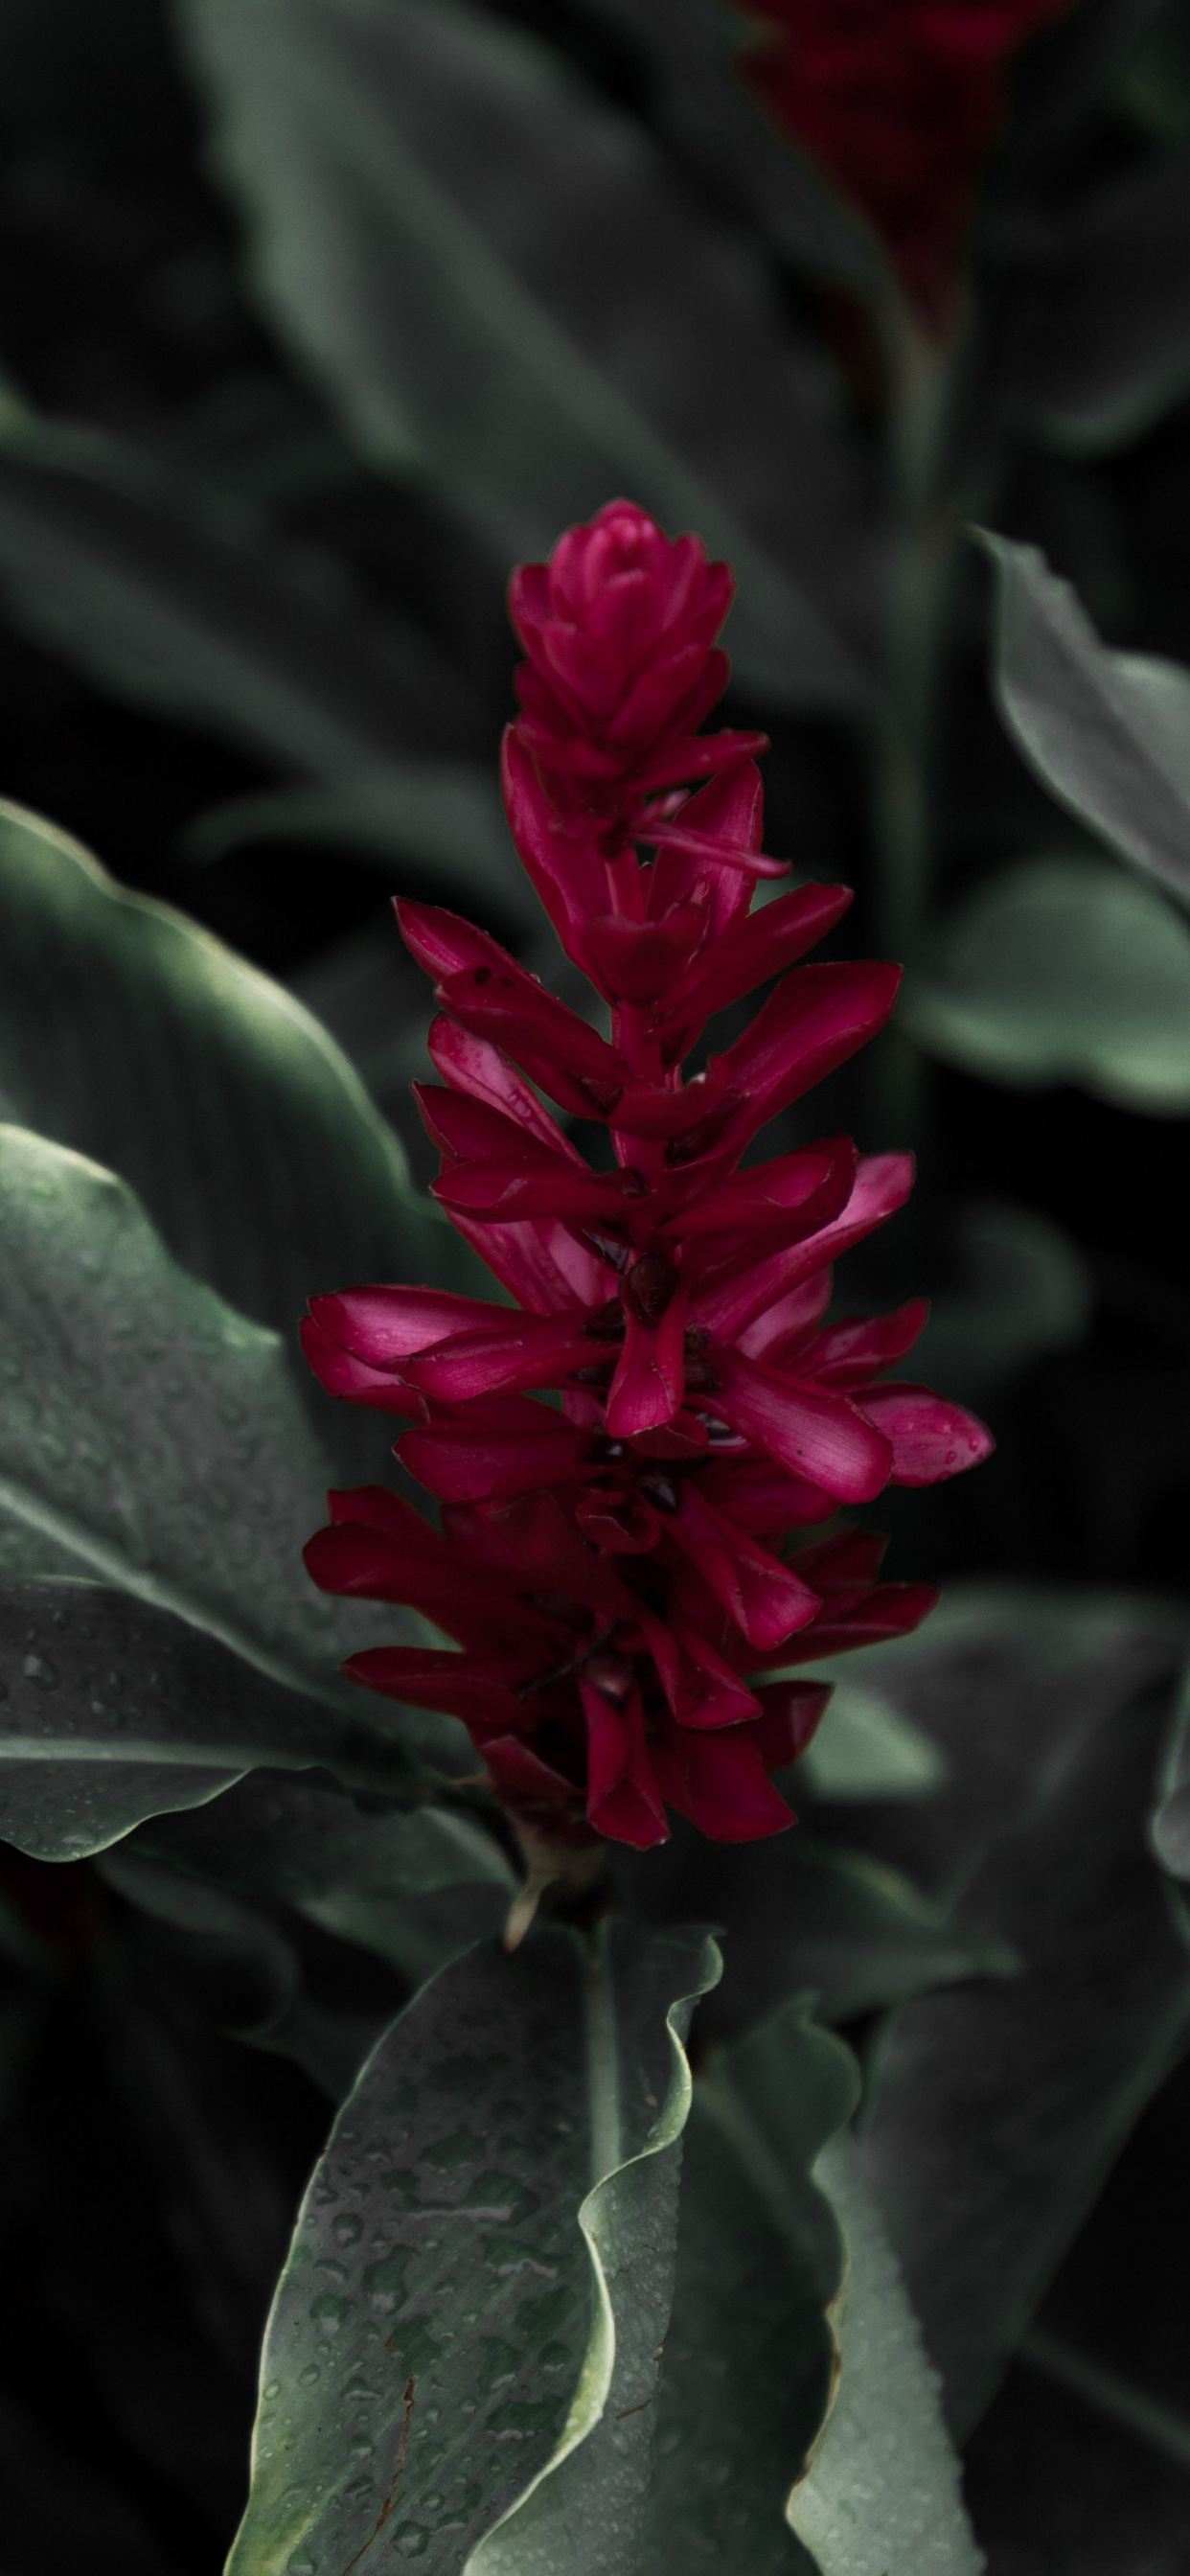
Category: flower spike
[612,1566]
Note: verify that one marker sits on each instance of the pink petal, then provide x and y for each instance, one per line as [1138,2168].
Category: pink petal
[526,1351]
[767,1601]
[384,1326]
[565,868]
[510,1191]
[719,1781]
[351,1379]
[756,947]
[930,1437]
[884,1611]
[853,1351]
[819,1436]
[792,1317]
[790,1715]
[817,1017]
[650,1377]
[882,1184]
[635,961]
[478,1688]
[474,1065]
[465,1464]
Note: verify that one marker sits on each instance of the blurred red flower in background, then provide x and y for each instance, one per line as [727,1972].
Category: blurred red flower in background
[899,102]
[610,1566]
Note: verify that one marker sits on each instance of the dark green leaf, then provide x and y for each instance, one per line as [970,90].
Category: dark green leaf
[808,1918]
[1000,2106]
[174,596]
[465,2331]
[155,1436]
[1107,733]
[1063,970]
[883,2489]
[864,1748]
[134,1036]
[112,1710]
[768,2283]
[506,287]
[417,1886]
[746,2379]
[1099,328]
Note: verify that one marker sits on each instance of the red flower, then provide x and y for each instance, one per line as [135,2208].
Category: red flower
[610,1567]
[900,101]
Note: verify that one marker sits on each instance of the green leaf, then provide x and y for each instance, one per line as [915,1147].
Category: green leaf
[747,2375]
[883,2489]
[808,1917]
[507,289]
[1063,970]
[1107,733]
[113,1710]
[134,1036]
[1098,334]
[463,2341]
[768,2284]
[1024,1293]
[859,1936]
[415,1885]
[177,597]
[1000,2105]
[863,1748]
[155,1436]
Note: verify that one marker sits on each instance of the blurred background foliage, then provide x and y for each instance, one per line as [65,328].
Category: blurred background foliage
[314,315]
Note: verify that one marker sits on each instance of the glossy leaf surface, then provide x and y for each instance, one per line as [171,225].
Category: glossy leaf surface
[113,1709]
[883,2487]
[151,1434]
[482,2273]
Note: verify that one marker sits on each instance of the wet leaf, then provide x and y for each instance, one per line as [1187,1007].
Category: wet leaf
[154,1435]
[416,1884]
[783,2274]
[747,2374]
[112,1709]
[1063,970]
[883,2488]
[395,161]
[464,2337]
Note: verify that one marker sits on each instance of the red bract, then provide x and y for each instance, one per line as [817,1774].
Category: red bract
[900,102]
[611,1565]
